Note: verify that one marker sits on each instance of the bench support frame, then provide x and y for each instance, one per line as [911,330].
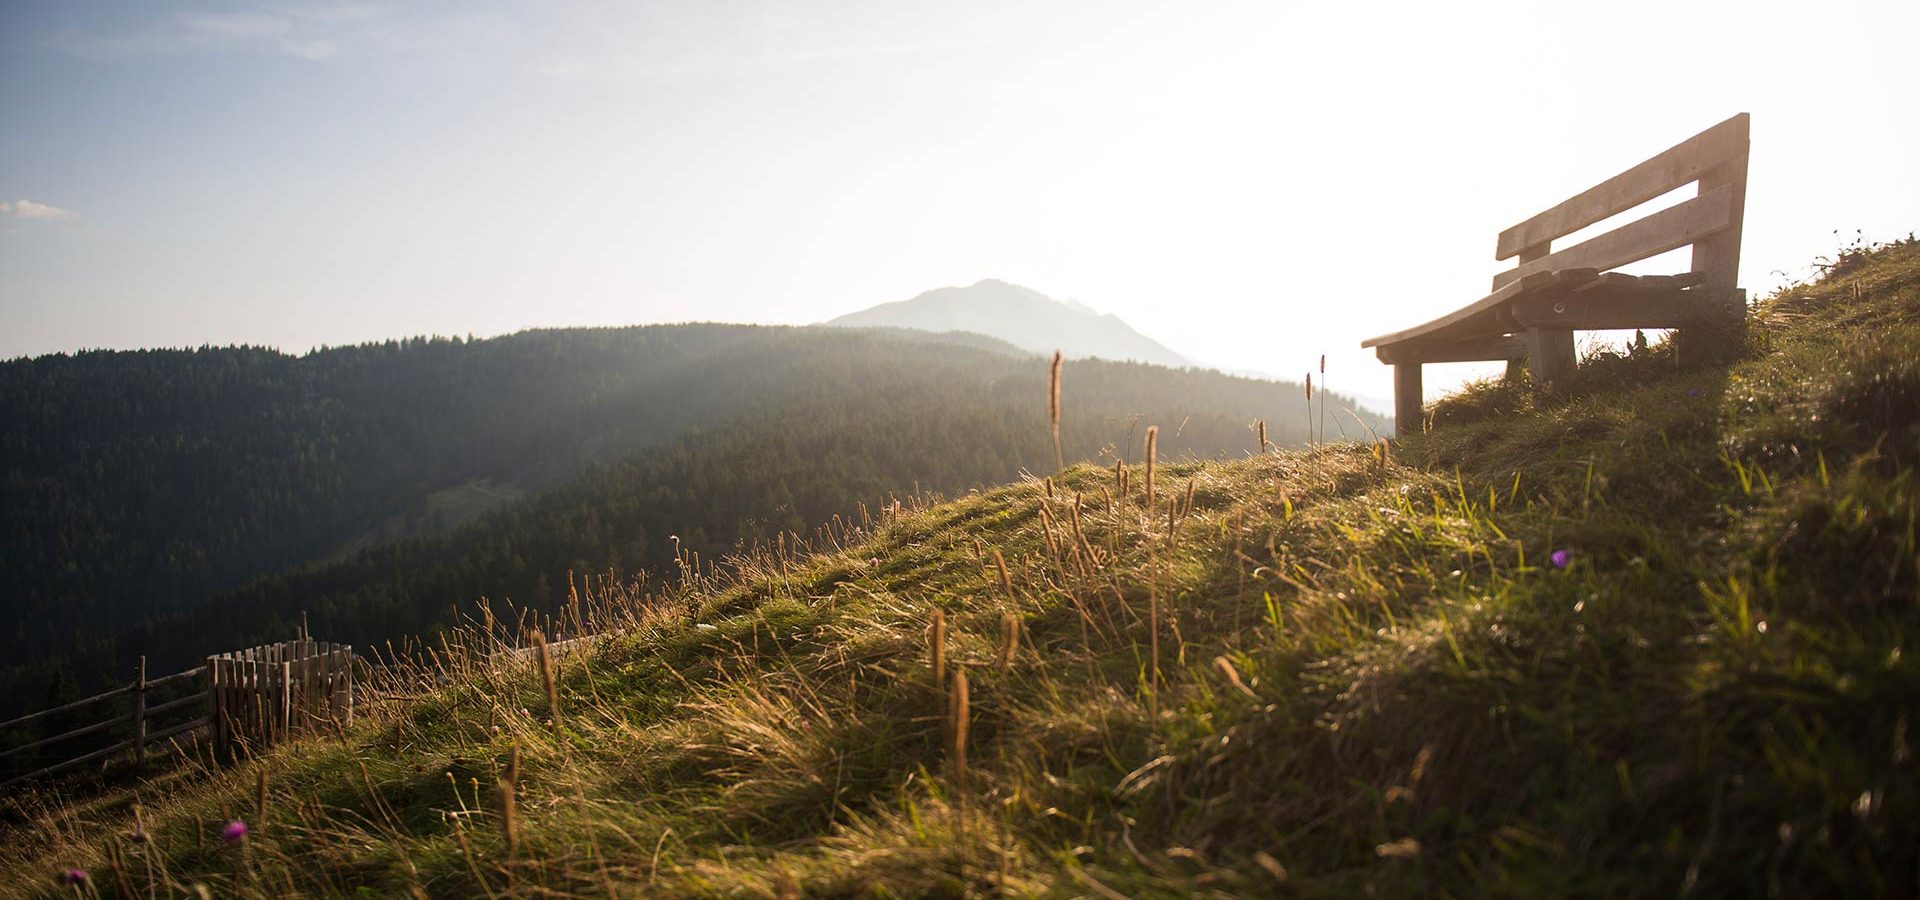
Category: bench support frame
[1407,398]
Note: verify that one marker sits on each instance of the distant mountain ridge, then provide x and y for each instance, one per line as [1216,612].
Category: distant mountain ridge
[1020,316]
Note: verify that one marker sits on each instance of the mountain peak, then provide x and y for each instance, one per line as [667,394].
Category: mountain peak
[1021,316]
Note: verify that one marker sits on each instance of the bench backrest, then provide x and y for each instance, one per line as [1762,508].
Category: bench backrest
[1716,158]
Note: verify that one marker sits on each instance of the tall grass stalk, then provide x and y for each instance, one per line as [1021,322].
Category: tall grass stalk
[1153,440]
[1080,536]
[1323,397]
[960,713]
[1010,638]
[1153,633]
[1006,579]
[937,650]
[1309,389]
[545,660]
[1053,543]
[509,805]
[260,799]
[1053,409]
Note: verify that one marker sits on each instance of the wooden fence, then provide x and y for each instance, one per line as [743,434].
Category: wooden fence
[246,701]
[142,716]
[261,696]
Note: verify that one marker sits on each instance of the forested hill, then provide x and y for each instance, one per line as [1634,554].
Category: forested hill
[139,485]
[136,482]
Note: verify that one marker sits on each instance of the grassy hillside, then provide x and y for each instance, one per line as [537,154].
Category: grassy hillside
[1647,640]
[179,503]
[837,442]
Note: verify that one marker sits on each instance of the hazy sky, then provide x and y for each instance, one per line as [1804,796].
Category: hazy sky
[1252,183]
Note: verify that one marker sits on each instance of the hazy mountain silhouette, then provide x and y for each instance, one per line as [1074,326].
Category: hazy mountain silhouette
[1020,316]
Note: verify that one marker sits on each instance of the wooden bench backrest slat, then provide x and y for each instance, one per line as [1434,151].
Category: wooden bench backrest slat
[1669,229]
[1684,162]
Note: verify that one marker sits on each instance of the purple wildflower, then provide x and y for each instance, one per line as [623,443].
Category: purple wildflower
[235,832]
[1693,392]
[73,876]
[1560,559]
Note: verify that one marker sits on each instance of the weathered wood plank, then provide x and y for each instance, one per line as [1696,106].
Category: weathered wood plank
[1717,258]
[1407,400]
[1550,356]
[1683,162]
[140,714]
[77,732]
[176,704]
[1668,229]
[1620,282]
[216,705]
[177,676]
[99,754]
[180,729]
[29,717]
[1466,315]
[1595,310]
[1473,350]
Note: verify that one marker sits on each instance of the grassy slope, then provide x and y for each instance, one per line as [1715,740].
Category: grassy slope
[1374,678]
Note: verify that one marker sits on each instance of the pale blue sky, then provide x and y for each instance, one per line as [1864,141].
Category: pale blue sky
[1251,183]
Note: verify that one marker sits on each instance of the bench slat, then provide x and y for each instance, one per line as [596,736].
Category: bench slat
[1668,229]
[1474,350]
[1678,165]
[1465,317]
[1454,341]
[1602,309]
[1620,281]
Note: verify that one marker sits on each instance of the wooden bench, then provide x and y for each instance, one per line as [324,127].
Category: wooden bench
[1537,305]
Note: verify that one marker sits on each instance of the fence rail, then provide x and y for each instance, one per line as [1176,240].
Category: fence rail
[140,717]
[249,700]
[36,716]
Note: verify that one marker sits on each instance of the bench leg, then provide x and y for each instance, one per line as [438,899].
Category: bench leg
[1406,399]
[1720,337]
[1550,356]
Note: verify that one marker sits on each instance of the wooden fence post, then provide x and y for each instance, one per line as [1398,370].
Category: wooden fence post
[216,731]
[285,717]
[140,715]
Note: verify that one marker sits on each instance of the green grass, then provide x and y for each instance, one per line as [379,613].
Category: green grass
[1374,678]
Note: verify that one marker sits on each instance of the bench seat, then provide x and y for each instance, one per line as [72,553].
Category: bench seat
[1580,298]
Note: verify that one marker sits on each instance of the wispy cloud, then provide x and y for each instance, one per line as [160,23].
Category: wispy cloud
[309,32]
[620,64]
[27,209]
